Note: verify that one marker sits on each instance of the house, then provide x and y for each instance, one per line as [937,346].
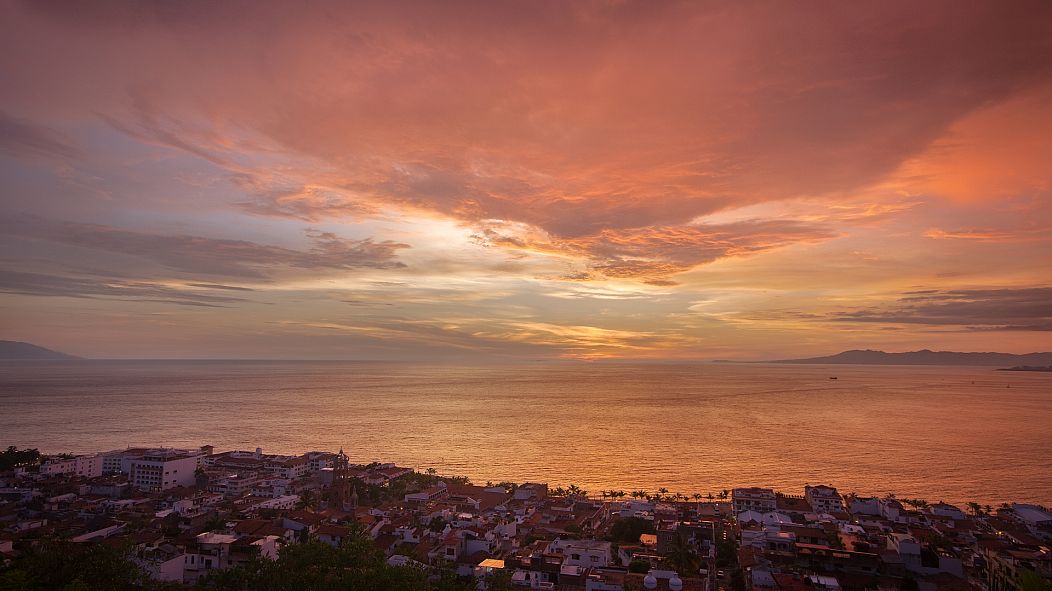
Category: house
[221,551]
[332,534]
[583,552]
[162,562]
[941,509]
[824,499]
[431,493]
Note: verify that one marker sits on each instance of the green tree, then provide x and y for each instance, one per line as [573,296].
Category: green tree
[682,557]
[1031,581]
[628,529]
[737,580]
[13,457]
[64,565]
[437,524]
[638,566]
[308,500]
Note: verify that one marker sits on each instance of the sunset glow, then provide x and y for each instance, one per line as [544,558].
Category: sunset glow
[510,181]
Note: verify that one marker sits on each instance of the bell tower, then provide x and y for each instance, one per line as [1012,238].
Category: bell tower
[340,480]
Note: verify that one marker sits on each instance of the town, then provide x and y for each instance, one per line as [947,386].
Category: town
[192,517]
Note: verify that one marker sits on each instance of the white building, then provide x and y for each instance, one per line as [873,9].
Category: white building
[908,547]
[234,485]
[164,563]
[864,506]
[283,502]
[88,466]
[946,510]
[162,469]
[120,460]
[761,500]
[288,467]
[582,552]
[824,499]
[1033,515]
[220,551]
[769,518]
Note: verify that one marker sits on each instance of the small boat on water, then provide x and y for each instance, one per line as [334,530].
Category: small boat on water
[833,377]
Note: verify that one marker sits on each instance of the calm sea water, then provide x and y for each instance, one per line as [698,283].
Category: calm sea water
[957,434]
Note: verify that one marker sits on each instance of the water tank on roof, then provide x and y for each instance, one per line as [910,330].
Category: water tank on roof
[650,582]
[675,583]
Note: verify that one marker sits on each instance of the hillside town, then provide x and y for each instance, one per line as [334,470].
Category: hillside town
[184,516]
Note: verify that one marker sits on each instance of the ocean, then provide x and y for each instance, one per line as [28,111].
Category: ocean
[939,433]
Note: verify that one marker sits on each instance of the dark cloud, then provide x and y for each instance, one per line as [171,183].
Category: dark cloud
[38,284]
[218,286]
[22,138]
[198,255]
[1026,309]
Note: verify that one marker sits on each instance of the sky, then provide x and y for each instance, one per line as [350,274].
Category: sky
[525,180]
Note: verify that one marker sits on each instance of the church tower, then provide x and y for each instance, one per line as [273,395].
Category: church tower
[340,480]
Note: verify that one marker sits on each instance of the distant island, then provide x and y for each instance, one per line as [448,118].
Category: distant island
[1047,368]
[19,351]
[926,357]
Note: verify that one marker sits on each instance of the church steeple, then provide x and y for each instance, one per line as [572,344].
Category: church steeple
[341,480]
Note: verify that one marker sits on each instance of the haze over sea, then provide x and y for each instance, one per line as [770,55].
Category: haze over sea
[952,433]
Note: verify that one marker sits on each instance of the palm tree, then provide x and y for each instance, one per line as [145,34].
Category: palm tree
[639,494]
[308,500]
[975,507]
[682,557]
[710,496]
[724,494]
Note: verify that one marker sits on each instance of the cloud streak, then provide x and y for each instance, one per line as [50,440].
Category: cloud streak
[198,255]
[1027,309]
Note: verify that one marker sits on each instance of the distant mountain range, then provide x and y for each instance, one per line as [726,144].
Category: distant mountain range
[15,350]
[926,357]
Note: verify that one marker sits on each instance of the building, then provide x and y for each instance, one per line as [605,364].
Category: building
[234,485]
[162,469]
[120,461]
[289,467]
[582,552]
[761,500]
[211,551]
[1012,569]
[1033,515]
[88,466]
[824,499]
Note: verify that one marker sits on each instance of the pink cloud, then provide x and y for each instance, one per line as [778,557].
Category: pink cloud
[574,119]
